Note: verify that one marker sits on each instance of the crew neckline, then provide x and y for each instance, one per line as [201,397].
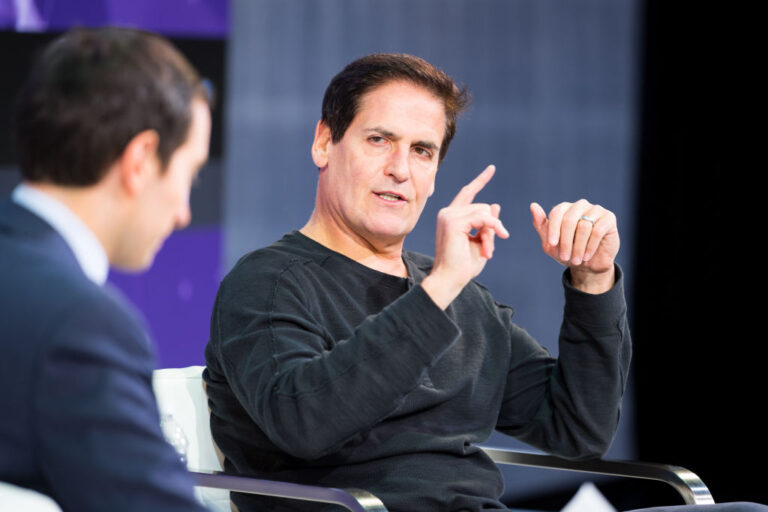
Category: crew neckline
[411,267]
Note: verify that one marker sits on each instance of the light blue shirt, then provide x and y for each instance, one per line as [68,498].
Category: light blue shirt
[87,249]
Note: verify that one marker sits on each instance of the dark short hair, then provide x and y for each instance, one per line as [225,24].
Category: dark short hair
[342,97]
[93,90]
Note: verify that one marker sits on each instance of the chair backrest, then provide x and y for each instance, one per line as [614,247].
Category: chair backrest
[180,392]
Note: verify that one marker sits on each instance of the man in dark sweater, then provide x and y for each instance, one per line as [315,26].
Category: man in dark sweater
[337,358]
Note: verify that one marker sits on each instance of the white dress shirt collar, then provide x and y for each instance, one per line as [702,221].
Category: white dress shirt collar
[87,249]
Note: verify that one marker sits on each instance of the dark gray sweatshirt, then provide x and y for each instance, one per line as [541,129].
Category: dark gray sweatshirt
[323,371]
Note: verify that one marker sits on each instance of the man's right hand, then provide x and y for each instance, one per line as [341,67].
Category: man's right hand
[461,255]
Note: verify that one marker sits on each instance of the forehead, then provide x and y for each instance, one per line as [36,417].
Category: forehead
[402,104]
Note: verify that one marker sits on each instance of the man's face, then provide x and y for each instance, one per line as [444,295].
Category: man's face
[163,204]
[376,180]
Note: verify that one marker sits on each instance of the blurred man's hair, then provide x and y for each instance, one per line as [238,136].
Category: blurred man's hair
[90,92]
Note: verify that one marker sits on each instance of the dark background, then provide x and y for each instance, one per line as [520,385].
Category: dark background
[698,306]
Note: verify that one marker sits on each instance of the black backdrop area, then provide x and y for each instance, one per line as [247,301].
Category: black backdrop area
[698,367]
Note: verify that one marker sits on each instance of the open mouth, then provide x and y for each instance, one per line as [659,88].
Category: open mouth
[390,196]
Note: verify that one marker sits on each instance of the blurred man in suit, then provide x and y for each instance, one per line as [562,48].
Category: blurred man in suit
[112,127]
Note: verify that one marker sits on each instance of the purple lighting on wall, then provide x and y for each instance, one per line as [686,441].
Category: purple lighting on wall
[201,18]
[176,295]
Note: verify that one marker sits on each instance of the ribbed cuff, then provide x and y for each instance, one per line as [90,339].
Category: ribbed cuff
[595,309]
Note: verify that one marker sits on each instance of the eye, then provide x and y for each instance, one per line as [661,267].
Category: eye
[377,139]
[422,151]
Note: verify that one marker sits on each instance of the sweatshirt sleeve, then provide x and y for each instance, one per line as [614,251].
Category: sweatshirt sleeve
[570,406]
[276,357]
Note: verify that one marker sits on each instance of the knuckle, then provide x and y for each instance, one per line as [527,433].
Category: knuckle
[557,208]
[571,217]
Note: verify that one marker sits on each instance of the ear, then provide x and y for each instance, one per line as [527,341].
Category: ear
[321,144]
[139,161]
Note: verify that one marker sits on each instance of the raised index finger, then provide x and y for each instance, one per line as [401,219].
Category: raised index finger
[467,194]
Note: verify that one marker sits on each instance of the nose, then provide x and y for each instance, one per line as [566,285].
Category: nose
[183,215]
[398,166]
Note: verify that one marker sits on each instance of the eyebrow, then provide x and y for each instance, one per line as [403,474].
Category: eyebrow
[387,133]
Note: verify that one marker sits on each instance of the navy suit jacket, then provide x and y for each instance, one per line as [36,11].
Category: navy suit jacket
[78,418]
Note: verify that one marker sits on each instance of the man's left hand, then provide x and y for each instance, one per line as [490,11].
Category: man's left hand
[582,236]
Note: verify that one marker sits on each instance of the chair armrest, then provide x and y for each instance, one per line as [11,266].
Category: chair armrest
[685,482]
[355,500]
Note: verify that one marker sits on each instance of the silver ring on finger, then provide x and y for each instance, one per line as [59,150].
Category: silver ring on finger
[588,219]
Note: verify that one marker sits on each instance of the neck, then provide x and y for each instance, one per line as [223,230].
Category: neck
[382,255]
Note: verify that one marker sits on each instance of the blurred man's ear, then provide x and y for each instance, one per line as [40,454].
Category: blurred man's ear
[321,144]
[139,161]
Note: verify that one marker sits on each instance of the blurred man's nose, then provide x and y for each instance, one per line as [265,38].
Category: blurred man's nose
[183,216]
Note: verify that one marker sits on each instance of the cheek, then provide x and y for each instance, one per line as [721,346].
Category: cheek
[426,183]
[355,178]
